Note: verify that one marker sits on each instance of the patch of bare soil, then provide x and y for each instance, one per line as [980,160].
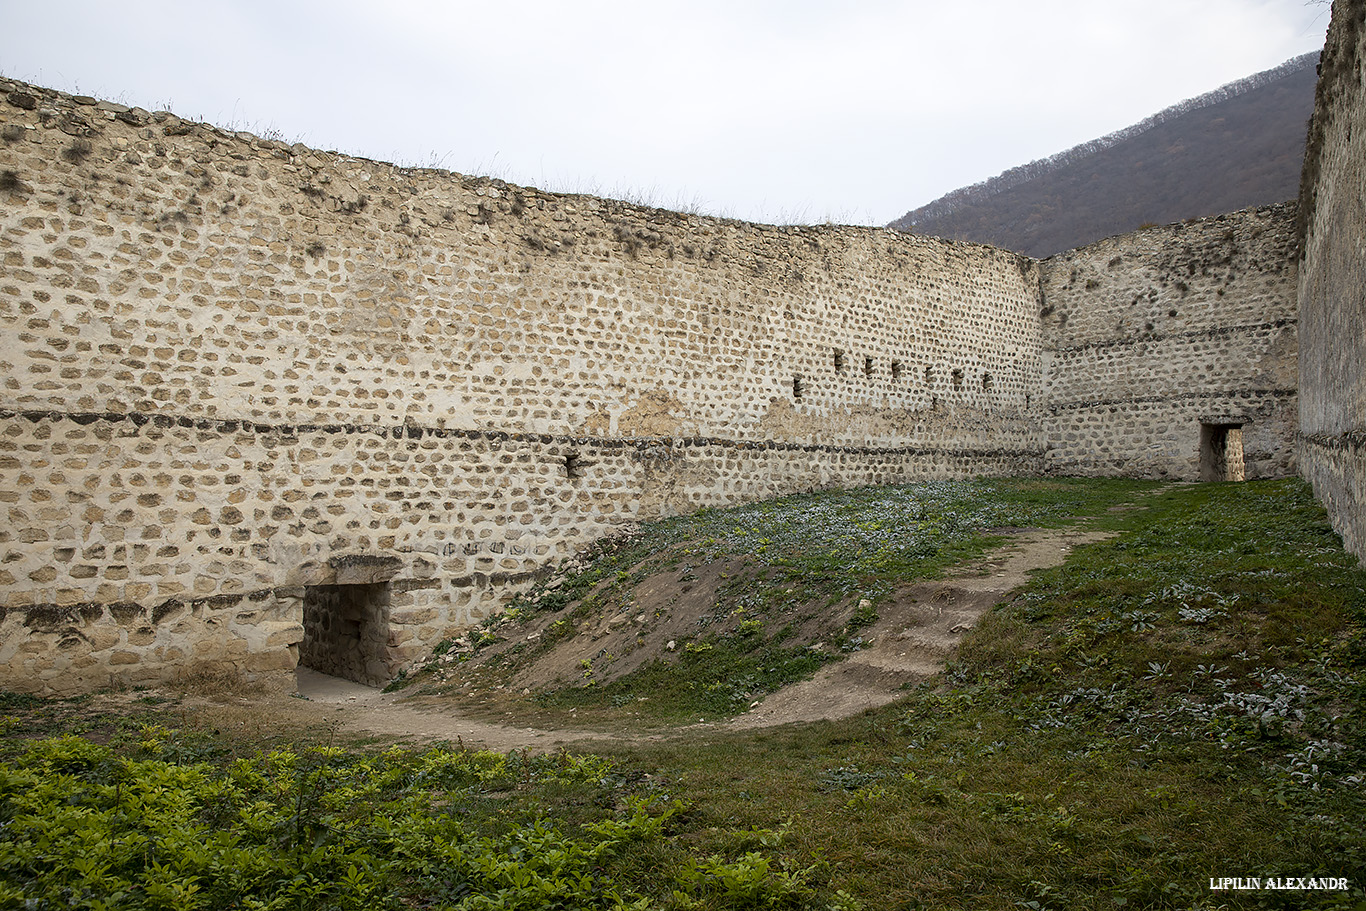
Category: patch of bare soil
[360,709]
[562,648]
[326,707]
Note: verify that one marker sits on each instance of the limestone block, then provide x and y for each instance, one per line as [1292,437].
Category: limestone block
[397,657]
[412,616]
[73,647]
[281,659]
[104,637]
[281,633]
[365,569]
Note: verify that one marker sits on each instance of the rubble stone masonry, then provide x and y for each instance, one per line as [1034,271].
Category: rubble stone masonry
[262,402]
[1151,336]
[232,368]
[1332,281]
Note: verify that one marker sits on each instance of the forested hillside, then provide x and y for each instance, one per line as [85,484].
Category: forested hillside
[1240,145]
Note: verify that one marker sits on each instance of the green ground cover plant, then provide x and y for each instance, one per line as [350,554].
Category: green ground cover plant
[1182,702]
[88,826]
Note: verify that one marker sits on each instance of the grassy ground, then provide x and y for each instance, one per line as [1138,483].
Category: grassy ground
[796,572]
[1184,701]
[1180,703]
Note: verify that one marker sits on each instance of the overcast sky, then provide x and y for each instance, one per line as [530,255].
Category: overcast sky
[769,110]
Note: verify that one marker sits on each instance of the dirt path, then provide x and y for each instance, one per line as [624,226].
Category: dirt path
[361,709]
[915,634]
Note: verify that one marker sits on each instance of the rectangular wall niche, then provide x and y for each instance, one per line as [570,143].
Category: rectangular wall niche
[346,631]
[1221,452]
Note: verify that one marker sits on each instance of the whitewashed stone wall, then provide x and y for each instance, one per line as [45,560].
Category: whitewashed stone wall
[235,369]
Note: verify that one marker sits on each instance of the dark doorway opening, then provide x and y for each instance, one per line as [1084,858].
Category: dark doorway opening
[1221,452]
[346,631]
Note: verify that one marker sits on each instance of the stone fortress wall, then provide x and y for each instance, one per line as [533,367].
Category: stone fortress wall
[262,401]
[1153,337]
[237,371]
[1332,281]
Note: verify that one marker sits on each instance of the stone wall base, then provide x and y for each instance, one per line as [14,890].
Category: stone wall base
[1336,467]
